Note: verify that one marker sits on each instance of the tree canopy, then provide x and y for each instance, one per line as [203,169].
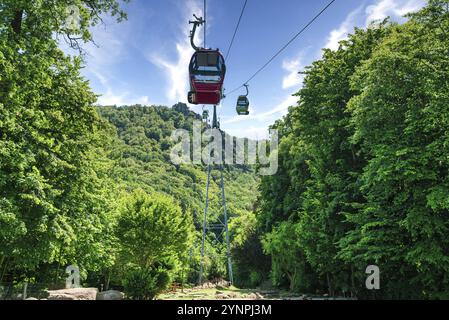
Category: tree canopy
[363,164]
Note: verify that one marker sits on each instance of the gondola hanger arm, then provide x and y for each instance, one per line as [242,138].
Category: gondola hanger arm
[198,22]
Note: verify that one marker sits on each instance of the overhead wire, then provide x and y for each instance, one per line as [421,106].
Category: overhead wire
[236,30]
[205,22]
[284,47]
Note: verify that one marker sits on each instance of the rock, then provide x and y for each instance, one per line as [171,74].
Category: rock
[31,298]
[73,294]
[110,295]
[255,296]
[232,295]
[252,296]
[219,295]
[223,284]
[61,296]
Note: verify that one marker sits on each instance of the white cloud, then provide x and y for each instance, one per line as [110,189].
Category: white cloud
[109,49]
[253,132]
[395,8]
[124,99]
[341,33]
[111,98]
[176,71]
[267,118]
[293,78]
[380,10]
[282,108]
[275,113]
[110,46]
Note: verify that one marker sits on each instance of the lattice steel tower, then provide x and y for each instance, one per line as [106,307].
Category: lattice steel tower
[219,225]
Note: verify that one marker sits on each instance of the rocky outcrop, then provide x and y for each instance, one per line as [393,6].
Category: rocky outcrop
[110,295]
[73,294]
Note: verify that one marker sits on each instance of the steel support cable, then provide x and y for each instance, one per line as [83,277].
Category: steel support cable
[205,22]
[236,30]
[284,47]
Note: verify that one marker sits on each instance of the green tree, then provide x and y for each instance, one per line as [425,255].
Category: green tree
[53,200]
[363,163]
[288,261]
[154,236]
[400,121]
[152,228]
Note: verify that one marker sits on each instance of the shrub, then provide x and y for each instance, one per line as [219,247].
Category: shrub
[145,284]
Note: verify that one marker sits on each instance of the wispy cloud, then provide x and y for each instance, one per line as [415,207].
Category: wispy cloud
[396,8]
[108,51]
[380,10]
[278,111]
[124,99]
[252,132]
[111,47]
[111,98]
[293,78]
[341,33]
[258,132]
[175,70]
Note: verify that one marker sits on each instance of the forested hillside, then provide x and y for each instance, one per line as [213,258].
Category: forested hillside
[141,157]
[363,176]
[131,165]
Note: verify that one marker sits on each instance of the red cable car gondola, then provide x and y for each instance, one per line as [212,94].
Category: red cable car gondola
[207,72]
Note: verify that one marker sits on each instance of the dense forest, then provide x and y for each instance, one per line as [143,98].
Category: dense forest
[363,177]
[362,180]
[94,187]
[138,217]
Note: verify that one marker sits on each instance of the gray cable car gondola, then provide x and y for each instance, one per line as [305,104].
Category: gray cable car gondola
[205,114]
[243,104]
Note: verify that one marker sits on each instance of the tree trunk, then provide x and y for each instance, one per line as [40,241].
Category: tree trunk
[353,289]
[291,278]
[108,280]
[2,259]
[16,24]
[329,285]
[5,267]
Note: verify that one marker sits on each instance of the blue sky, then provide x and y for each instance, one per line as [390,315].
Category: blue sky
[145,59]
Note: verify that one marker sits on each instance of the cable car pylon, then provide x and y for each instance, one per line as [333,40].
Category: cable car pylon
[221,226]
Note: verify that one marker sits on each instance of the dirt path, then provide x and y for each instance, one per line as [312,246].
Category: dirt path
[212,292]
